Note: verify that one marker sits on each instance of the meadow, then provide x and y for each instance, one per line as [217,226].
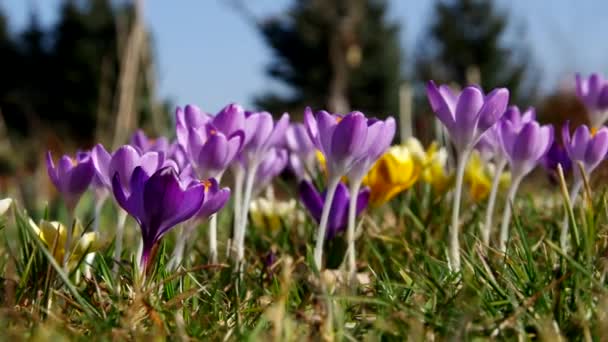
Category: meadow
[200,239]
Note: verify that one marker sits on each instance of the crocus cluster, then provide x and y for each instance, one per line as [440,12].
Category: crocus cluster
[163,183]
[350,144]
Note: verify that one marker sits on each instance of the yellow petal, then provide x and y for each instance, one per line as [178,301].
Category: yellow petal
[395,172]
[54,235]
[87,243]
[5,204]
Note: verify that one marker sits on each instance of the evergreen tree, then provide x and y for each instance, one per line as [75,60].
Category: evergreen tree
[337,54]
[63,79]
[468,35]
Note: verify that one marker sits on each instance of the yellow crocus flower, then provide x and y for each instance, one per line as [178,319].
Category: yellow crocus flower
[396,171]
[54,235]
[479,175]
[433,162]
[271,213]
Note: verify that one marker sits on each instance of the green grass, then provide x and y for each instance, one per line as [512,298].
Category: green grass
[536,291]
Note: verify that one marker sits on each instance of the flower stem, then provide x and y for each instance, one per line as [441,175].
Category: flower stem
[250,178]
[350,233]
[332,184]
[487,227]
[239,178]
[100,201]
[454,244]
[120,228]
[506,216]
[213,233]
[180,245]
[68,241]
[563,236]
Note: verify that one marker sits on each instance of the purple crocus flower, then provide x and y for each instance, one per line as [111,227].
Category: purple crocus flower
[556,155]
[524,147]
[588,148]
[341,138]
[302,156]
[71,177]
[491,147]
[211,143]
[585,147]
[593,92]
[490,143]
[469,114]
[262,135]
[140,141]
[313,201]
[189,116]
[272,166]
[215,198]
[378,139]
[123,162]
[158,203]
[210,151]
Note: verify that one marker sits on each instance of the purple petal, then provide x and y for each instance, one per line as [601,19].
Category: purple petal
[212,157]
[50,168]
[311,199]
[493,108]
[101,161]
[80,178]
[64,166]
[215,199]
[466,116]
[580,139]
[258,128]
[443,103]
[326,124]
[348,138]
[526,142]
[566,138]
[278,133]
[311,127]
[597,148]
[362,200]
[230,119]
[123,162]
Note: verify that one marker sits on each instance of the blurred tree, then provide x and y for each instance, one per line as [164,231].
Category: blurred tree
[466,44]
[64,78]
[338,54]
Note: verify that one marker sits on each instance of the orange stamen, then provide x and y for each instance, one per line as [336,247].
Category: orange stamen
[207,184]
[593,131]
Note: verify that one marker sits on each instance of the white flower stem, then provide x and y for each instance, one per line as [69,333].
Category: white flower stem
[454,244]
[332,184]
[100,201]
[487,227]
[250,178]
[178,252]
[239,178]
[213,232]
[506,216]
[120,228]
[563,236]
[213,239]
[350,233]
[68,240]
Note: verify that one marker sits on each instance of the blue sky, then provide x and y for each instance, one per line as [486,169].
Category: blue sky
[209,55]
